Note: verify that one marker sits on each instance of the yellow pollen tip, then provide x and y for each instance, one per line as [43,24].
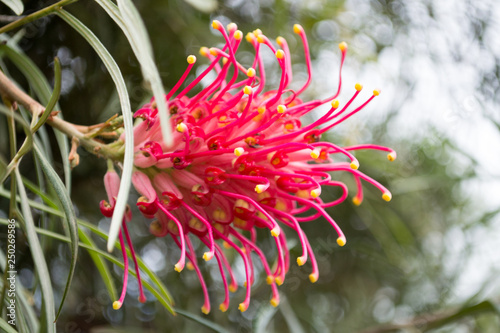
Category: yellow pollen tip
[376,92]
[280,40]
[301,260]
[343,46]
[275,231]
[281,108]
[341,241]
[181,127]
[355,165]
[239,151]
[261,109]
[226,245]
[178,267]
[224,61]
[315,193]
[208,256]
[247,90]
[260,188]
[251,72]
[117,305]
[297,28]
[313,277]
[274,302]
[223,307]
[190,266]
[238,35]
[358,87]
[244,283]
[260,38]
[191,59]
[257,32]
[356,201]
[212,51]
[216,25]
[279,280]
[232,26]
[280,54]
[205,310]
[335,103]
[315,153]
[249,37]
[387,196]
[204,51]
[270,279]
[233,288]
[242,307]
[391,156]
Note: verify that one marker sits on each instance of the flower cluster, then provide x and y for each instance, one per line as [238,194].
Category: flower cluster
[240,160]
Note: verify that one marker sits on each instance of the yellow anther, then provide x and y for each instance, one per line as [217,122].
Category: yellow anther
[223,307]
[316,192]
[274,302]
[387,196]
[233,288]
[247,90]
[391,156]
[313,277]
[315,153]
[226,245]
[281,108]
[376,92]
[205,310]
[270,279]
[238,35]
[335,103]
[275,231]
[260,188]
[261,109]
[356,201]
[204,51]
[216,25]
[244,283]
[178,267]
[181,127]
[242,307]
[355,165]
[117,305]
[279,280]
[257,32]
[280,54]
[249,37]
[232,26]
[224,61]
[358,87]
[297,28]
[343,46]
[239,151]
[189,266]
[301,260]
[208,256]
[191,59]
[251,72]
[213,51]
[260,38]
[341,240]
[280,40]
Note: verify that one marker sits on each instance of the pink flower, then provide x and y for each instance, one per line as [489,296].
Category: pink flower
[241,160]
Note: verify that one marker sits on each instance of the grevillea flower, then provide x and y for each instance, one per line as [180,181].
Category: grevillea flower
[241,160]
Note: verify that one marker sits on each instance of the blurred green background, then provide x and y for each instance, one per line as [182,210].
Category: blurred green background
[426,261]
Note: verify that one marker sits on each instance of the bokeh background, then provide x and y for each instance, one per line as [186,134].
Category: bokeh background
[427,261]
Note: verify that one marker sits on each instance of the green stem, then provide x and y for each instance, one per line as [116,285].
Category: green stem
[35,16]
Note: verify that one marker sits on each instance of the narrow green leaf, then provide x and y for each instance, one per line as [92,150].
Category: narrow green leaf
[202,321]
[5,326]
[128,160]
[17,6]
[38,257]
[100,265]
[70,220]
[53,98]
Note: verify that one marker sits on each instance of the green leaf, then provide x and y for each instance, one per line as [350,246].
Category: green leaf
[5,326]
[202,321]
[17,6]
[70,220]
[100,265]
[38,257]
[205,6]
[128,160]
[53,98]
